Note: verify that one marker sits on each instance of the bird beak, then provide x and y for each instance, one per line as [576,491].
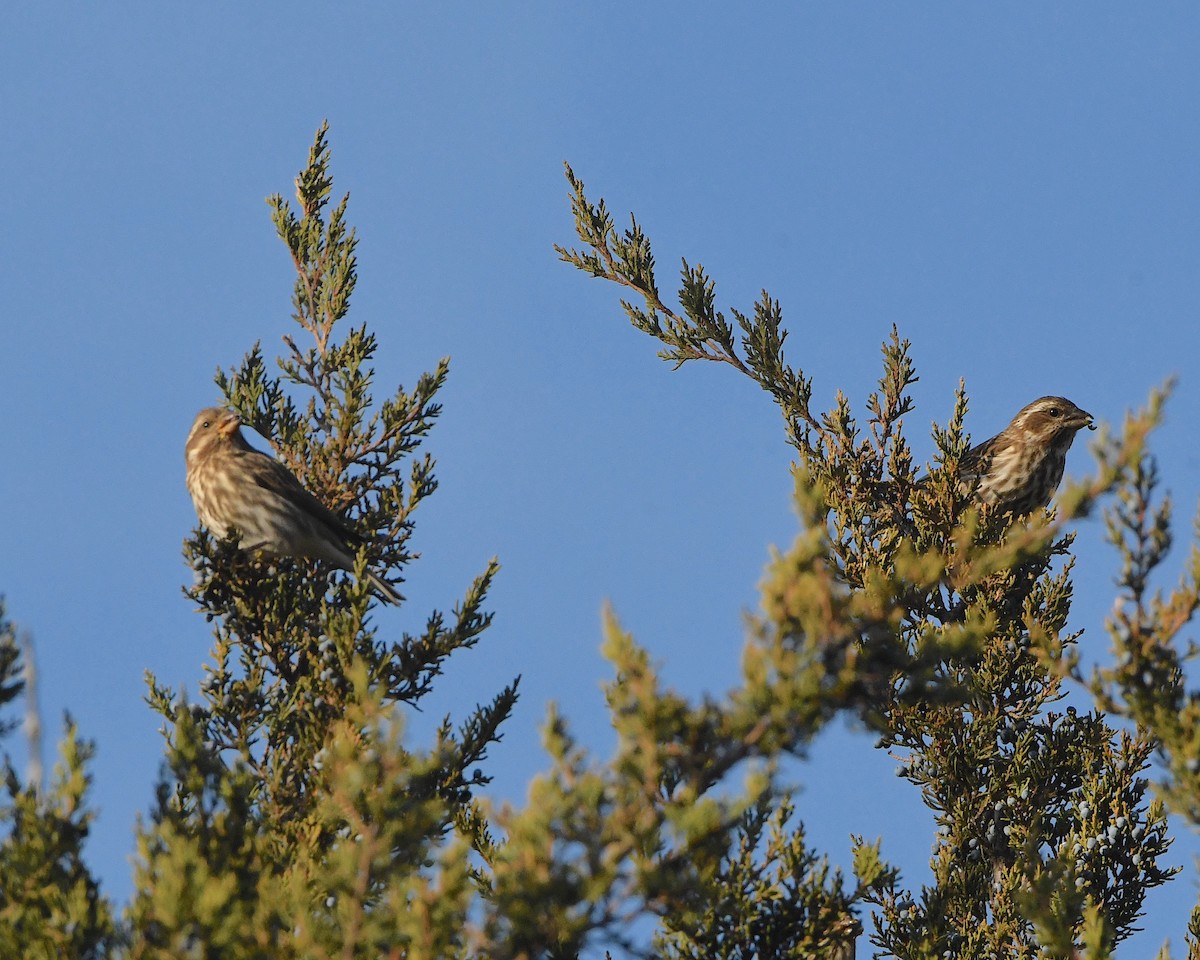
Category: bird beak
[1087,420]
[228,424]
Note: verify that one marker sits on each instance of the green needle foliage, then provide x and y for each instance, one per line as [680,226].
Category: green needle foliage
[293,819]
[50,905]
[945,627]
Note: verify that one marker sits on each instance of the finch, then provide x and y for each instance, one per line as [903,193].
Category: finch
[1019,469]
[235,487]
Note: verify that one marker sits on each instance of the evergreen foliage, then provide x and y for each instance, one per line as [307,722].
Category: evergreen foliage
[50,905]
[293,819]
[944,626]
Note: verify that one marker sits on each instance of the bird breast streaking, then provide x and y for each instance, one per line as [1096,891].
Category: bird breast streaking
[235,487]
[1019,469]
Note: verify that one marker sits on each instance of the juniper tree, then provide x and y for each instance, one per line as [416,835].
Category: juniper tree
[291,819]
[50,904]
[944,627]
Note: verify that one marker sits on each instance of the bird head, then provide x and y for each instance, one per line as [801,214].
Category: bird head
[1052,418]
[212,425]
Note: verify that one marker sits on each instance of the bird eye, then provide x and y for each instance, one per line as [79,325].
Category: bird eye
[207,424]
[1054,412]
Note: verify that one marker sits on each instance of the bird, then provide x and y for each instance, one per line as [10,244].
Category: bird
[236,487]
[1019,468]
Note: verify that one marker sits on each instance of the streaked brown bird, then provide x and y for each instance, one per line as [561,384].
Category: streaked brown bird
[1020,468]
[236,487]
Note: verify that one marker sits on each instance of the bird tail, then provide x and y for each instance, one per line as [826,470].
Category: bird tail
[384,590]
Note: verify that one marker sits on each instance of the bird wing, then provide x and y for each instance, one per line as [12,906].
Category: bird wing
[975,461]
[272,475]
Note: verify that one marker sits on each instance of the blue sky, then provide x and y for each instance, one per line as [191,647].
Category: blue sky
[1014,186]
